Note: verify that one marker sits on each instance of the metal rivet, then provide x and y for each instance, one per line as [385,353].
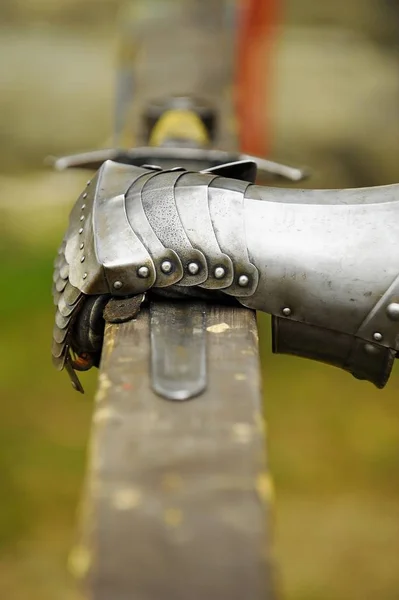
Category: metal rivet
[220,272]
[80,230]
[143,272]
[118,285]
[84,195]
[371,349]
[88,182]
[243,280]
[286,311]
[393,311]
[82,218]
[81,246]
[84,275]
[82,259]
[377,336]
[83,207]
[166,266]
[193,268]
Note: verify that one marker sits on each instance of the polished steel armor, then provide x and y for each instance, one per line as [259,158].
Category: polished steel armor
[322,262]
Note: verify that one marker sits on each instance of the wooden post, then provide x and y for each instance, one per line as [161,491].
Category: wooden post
[177,493]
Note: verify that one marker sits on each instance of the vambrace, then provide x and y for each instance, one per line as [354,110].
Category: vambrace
[320,262]
[329,274]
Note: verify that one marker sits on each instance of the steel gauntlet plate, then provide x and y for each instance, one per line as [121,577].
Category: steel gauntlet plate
[329,273]
[321,262]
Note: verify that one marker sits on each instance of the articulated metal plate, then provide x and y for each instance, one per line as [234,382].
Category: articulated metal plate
[324,258]
[226,206]
[160,208]
[191,196]
[168,267]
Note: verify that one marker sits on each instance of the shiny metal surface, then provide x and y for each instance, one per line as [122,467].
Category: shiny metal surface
[143,272]
[142,227]
[321,254]
[243,281]
[193,268]
[118,248]
[393,311]
[327,255]
[378,325]
[94,259]
[84,257]
[321,258]
[226,207]
[191,196]
[78,234]
[166,266]
[178,349]
[219,273]
[159,205]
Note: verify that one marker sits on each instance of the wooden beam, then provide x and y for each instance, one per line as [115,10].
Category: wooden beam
[177,493]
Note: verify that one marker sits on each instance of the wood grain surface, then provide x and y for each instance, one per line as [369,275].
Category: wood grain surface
[177,493]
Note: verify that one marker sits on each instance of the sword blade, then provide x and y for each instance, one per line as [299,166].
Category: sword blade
[178,349]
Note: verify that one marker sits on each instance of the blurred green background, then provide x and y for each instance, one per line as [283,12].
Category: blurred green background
[333,441]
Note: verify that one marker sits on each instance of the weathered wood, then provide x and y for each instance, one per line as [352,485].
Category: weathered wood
[177,493]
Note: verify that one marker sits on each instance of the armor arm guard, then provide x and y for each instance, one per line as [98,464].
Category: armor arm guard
[321,262]
[328,273]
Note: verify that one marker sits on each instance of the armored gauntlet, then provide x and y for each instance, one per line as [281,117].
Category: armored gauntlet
[322,263]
